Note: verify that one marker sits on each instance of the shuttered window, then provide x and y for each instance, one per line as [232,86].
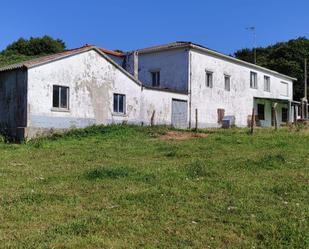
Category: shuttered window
[221,113]
[266,83]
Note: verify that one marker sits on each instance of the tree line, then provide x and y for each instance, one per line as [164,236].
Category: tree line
[284,57]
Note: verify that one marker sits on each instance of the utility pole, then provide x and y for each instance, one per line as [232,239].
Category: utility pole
[306,76]
[306,92]
[253,30]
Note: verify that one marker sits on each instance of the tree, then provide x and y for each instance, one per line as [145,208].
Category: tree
[35,46]
[24,49]
[283,57]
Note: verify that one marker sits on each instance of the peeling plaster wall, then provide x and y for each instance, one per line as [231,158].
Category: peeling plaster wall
[161,103]
[173,67]
[13,99]
[92,81]
[239,100]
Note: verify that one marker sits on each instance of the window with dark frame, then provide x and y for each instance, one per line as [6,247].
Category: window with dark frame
[209,79]
[119,103]
[261,111]
[284,117]
[227,82]
[60,97]
[266,83]
[253,80]
[155,77]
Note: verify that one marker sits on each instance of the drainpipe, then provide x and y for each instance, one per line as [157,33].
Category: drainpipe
[135,64]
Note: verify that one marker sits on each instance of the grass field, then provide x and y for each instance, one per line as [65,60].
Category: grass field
[125,187]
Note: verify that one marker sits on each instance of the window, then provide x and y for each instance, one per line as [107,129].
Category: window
[119,103]
[253,80]
[227,82]
[266,83]
[284,89]
[60,97]
[284,117]
[209,79]
[155,76]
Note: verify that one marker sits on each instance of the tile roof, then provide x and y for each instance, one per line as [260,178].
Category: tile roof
[48,58]
[45,59]
[191,45]
[111,52]
[103,52]
[172,45]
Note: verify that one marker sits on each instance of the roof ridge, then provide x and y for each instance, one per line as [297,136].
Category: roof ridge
[45,58]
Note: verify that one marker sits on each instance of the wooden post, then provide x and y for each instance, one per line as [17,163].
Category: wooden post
[275,116]
[152,118]
[196,120]
[252,121]
[295,114]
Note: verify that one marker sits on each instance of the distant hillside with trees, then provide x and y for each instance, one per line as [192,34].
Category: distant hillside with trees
[284,57]
[25,49]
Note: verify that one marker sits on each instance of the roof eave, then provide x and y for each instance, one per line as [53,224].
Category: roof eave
[241,61]
[150,51]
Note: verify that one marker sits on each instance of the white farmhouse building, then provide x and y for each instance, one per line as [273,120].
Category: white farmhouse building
[165,84]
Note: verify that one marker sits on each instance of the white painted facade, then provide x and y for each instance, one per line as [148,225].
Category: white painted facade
[173,67]
[92,82]
[240,100]
[187,69]
[93,78]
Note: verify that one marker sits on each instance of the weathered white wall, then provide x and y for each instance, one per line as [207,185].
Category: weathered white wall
[161,103]
[173,67]
[239,100]
[92,81]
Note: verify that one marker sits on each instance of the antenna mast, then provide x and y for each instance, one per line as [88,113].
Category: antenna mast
[253,30]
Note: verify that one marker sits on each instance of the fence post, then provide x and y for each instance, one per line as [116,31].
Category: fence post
[152,118]
[275,116]
[252,121]
[196,119]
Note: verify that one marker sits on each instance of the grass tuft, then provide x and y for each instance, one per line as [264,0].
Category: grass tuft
[107,173]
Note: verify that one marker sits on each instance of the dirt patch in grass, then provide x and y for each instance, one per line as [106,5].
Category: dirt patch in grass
[178,135]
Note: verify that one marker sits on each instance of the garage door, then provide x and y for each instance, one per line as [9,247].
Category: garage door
[179,113]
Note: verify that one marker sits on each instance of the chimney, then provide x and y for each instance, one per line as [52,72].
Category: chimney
[135,64]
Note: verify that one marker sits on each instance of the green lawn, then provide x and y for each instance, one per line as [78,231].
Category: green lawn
[124,187]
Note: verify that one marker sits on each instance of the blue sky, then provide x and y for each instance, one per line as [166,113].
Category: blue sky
[131,24]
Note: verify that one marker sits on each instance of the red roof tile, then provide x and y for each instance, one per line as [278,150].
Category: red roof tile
[111,52]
